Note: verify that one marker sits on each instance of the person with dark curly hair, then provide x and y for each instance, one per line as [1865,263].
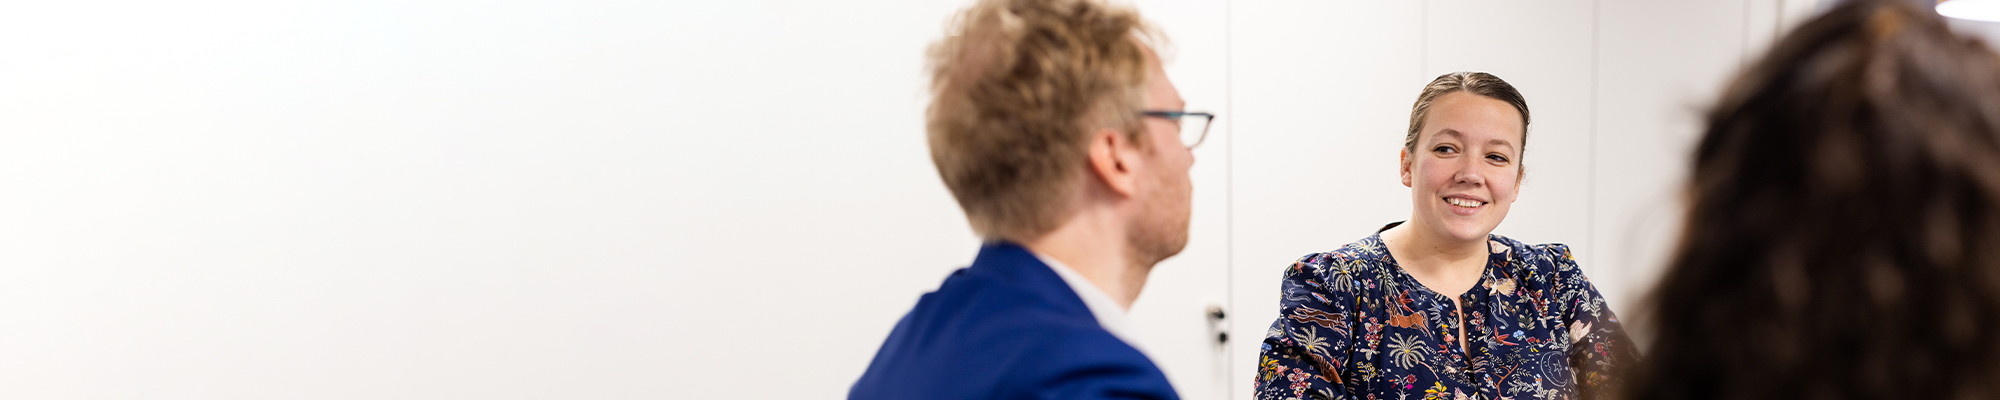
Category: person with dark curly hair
[1843,233]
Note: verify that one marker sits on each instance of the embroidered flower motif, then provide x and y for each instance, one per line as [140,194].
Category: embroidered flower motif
[1299,382]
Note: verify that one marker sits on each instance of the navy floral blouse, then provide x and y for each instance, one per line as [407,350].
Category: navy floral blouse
[1354,325]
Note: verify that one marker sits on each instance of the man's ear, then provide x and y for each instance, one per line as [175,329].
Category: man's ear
[1403,156]
[1112,160]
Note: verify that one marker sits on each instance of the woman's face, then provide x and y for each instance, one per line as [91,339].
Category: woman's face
[1465,170]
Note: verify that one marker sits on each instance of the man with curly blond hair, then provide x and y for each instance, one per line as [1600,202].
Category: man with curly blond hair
[1056,129]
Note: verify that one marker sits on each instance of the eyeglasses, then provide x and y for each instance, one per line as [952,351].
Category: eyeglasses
[1191,133]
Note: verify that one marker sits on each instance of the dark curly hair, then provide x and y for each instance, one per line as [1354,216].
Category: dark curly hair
[1843,236]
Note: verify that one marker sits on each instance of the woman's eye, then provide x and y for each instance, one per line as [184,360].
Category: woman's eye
[1497,158]
[1444,149]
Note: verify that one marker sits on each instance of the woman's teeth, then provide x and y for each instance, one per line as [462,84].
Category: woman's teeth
[1463,202]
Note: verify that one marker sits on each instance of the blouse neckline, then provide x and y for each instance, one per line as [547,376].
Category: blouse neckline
[1485,273]
[1463,358]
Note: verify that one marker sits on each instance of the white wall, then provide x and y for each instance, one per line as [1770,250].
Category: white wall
[542,199]
[461,199]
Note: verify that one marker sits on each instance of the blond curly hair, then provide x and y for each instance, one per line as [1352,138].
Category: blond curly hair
[1016,87]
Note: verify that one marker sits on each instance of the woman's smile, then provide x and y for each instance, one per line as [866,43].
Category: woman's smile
[1463,205]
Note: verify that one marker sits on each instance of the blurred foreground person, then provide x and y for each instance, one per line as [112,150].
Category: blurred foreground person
[1437,306]
[1843,240]
[1055,128]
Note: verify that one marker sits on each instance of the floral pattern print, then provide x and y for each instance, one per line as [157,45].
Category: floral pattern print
[1354,325]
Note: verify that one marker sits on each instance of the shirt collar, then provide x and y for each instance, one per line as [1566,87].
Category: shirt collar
[1109,315]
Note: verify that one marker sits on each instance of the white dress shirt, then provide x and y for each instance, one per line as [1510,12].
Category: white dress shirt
[1109,314]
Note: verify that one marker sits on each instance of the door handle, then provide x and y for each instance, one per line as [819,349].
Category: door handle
[1216,325]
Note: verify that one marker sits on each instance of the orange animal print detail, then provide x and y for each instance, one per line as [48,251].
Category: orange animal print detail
[1406,321]
[1401,316]
[1326,369]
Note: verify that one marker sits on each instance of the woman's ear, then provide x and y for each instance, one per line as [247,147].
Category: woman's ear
[1518,179]
[1404,157]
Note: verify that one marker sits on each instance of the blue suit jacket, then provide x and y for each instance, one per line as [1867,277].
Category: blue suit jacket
[1007,327]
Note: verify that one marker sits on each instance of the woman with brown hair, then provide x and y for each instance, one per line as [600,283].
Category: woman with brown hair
[1843,236]
[1437,306]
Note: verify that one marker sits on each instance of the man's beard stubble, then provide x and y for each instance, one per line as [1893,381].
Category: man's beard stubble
[1162,230]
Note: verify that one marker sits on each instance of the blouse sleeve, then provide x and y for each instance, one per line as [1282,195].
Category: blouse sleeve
[1599,350]
[1306,349]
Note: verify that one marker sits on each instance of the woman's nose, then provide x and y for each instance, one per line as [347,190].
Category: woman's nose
[1468,174]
